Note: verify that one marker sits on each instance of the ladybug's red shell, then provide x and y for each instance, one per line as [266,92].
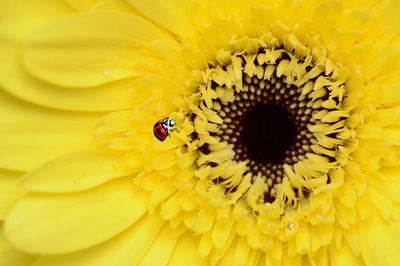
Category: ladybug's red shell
[159,131]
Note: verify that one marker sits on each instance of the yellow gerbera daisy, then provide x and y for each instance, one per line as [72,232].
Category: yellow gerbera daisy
[238,132]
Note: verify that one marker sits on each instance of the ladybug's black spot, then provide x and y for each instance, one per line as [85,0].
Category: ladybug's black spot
[159,132]
[268,132]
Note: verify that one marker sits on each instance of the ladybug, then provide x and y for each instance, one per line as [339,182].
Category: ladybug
[162,127]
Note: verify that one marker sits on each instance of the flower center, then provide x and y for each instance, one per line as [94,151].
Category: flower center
[267,126]
[267,134]
[272,124]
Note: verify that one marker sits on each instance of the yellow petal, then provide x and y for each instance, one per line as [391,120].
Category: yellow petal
[384,117]
[205,219]
[186,252]
[277,250]
[205,244]
[381,60]
[18,22]
[390,94]
[291,261]
[189,219]
[11,256]
[315,240]
[363,207]
[20,17]
[162,248]
[171,207]
[162,191]
[133,160]
[35,135]
[75,172]
[321,257]
[90,49]
[380,201]
[303,239]
[215,37]
[326,232]
[172,15]
[241,252]
[56,224]
[115,122]
[379,241]
[127,248]
[353,240]
[9,191]
[95,5]
[221,232]
[343,256]
[387,182]
[253,257]
[388,25]
[164,160]
[326,13]
[353,19]
[346,195]
[227,259]
[15,80]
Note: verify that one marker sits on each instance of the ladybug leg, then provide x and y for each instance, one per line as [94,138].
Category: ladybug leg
[173,129]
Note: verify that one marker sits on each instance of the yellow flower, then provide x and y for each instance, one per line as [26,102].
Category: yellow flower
[286,148]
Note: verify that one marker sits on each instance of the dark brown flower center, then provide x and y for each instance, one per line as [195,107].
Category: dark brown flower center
[267,133]
[267,125]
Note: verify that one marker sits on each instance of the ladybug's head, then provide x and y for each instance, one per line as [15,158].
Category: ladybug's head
[171,122]
[168,123]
